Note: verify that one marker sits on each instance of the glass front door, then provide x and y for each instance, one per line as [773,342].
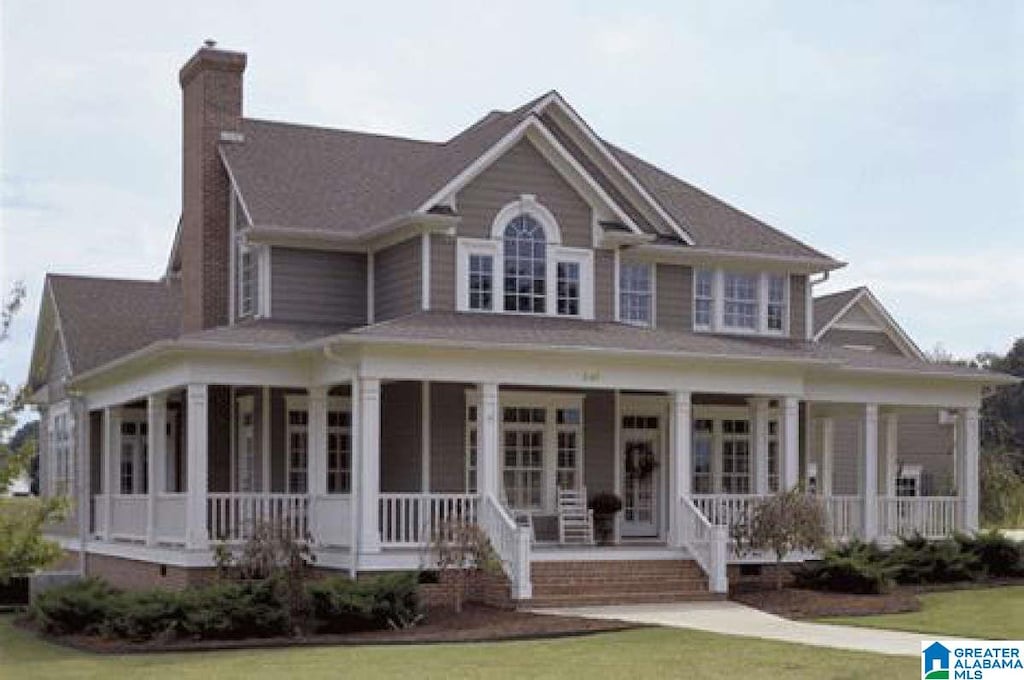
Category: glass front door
[641,474]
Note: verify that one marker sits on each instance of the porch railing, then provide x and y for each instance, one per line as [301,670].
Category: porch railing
[128,517]
[413,519]
[232,517]
[511,542]
[727,509]
[170,518]
[844,515]
[930,516]
[708,544]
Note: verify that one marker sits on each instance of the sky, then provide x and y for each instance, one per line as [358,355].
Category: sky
[888,135]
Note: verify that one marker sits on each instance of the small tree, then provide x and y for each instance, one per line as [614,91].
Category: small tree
[22,546]
[788,521]
[460,547]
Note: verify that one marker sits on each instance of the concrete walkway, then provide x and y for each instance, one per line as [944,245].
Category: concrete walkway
[733,618]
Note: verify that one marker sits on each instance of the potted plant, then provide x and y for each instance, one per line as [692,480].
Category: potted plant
[605,505]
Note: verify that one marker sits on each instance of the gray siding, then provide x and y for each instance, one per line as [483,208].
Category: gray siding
[447,437]
[604,285]
[522,170]
[318,286]
[442,272]
[400,437]
[923,441]
[846,456]
[798,306]
[674,298]
[599,457]
[880,341]
[397,280]
[58,370]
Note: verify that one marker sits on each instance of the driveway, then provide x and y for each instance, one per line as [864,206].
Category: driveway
[733,618]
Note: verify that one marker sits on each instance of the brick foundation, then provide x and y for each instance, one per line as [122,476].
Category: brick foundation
[479,587]
[758,581]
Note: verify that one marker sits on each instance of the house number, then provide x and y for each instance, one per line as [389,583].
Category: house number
[591,376]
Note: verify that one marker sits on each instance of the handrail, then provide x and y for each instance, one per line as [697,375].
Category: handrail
[708,544]
[511,542]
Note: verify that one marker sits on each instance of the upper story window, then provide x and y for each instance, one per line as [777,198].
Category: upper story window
[525,265]
[248,281]
[740,302]
[636,293]
[538,274]
[703,301]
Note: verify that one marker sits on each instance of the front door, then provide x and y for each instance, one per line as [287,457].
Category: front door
[641,460]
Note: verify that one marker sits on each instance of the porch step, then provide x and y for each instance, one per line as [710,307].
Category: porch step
[578,583]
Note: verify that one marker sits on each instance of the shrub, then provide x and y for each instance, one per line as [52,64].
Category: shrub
[80,607]
[237,610]
[996,554]
[340,604]
[918,560]
[855,567]
[145,615]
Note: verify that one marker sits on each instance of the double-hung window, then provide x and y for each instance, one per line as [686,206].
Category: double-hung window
[703,298]
[60,441]
[339,450]
[569,423]
[298,449]
[736,456]
[481,281]
[248,283]
[524,430]
[525,268]
[740,301]
[776,309]
[703,447]
[567,282]
[636,285]
[773,455]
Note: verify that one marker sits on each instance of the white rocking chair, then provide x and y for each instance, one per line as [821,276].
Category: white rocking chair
[575,520]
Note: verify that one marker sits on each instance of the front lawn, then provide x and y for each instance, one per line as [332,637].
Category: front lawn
[651,652]
[989,613]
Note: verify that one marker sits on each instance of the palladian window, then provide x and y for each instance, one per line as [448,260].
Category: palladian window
[525,265]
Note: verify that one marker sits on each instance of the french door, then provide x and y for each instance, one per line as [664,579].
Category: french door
[641,459]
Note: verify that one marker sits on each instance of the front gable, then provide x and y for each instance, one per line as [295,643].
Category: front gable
[863,323]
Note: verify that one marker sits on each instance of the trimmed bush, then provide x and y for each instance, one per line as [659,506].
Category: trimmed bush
[81,607]
[236,610]
[145,615]
[341,605]
[918,560]
[996,554]
[856,567]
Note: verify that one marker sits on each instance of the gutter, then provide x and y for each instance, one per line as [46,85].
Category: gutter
[696,254]
[413,222]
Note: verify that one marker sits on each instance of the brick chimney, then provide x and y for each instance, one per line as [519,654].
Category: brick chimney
[211,87]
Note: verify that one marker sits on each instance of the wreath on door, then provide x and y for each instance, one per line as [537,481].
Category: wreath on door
[640,459]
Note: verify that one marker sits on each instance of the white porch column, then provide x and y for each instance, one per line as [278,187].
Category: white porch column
[369,453]
[488,461]
[890,425]
[828,445]
[83,477]
[869,471]
[680,459]
[760,406]
[790,443]
[156,445]
[969,460]
[316,470]
[196,531]
[111,464]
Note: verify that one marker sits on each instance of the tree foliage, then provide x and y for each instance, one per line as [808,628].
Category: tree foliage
[786,522]
[22,546]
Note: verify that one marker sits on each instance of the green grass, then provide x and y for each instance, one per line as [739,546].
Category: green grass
[989,613]
[647,653]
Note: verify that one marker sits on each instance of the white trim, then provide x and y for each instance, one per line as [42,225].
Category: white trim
[526,204]
[465,247]
[762,278]
[652,269]
[231,180]
[596,142]
[425,271]
[888,324]
[232,256]
[616,265]
[584,257]
[265,305]
[370,286]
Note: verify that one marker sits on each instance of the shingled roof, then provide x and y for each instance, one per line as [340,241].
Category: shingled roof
[102,319]
[827,306]
[340,181]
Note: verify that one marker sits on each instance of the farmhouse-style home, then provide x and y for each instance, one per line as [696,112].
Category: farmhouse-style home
[366,336]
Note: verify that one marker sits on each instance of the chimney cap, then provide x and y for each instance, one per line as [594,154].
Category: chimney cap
[209,43]
[210,58]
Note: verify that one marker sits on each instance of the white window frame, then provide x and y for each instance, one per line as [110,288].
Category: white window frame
[738,438]
[762,282]
[551,402]
[300,402]
[555,252]
[339,405]
[248,305]
[621,292]
[709,298]
[61,472]
[754,301]
[911,473]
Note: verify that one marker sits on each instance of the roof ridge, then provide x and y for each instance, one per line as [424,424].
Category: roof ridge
[92,277]
[845,291]
[346,131]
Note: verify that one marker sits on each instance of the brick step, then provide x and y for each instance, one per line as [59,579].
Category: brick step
[678,572]
[660,589]
[611,582]
[603,600]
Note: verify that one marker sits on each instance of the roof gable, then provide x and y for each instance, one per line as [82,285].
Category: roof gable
[859,310]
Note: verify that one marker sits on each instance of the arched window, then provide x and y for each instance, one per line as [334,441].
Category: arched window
[525,265]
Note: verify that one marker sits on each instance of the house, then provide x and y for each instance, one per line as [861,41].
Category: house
[365,336]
